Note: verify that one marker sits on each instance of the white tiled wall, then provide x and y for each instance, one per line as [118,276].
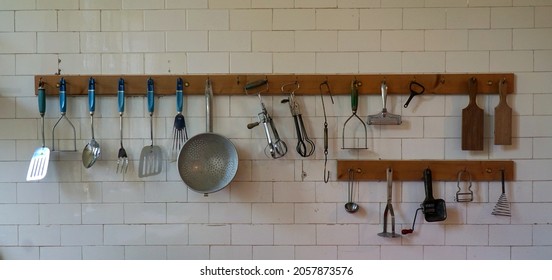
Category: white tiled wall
[272,210]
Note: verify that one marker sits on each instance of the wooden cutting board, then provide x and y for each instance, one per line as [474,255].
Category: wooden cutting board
[472,121]
[503,118]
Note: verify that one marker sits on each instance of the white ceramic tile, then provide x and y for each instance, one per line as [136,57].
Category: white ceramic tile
[230,213]
[337,63]
[103,42]
[358,3]
[145,213]
[462,62]
[38,193]
[426,18]
[7,21]
[541,17]
[393,40]
[209,234]
[337,234]
[39,235]
[488,253]
[512,17]
[102,213]
[293,19]
[60,214]
[381,19]
[272,213]
[122,20]
[8,235]
[219,19]
[444,253]
[358,41]
[176,234]
[100,4]
[184,4]
[188,252]
[358,252]
[124,234]
[315,213]
[35,21]
[402,3]
[145,253]
[72,235]
[164,20]
[232,41]
[253,19]
[402,252]
[532,39]
[103,253]
[470,18]
[143,4]
[252,234]
[208,62]
[294,62]
[315,41]
[315,252]
[467,235]
[20,42]
[273,252]
[294,234]
[230,253]
[60,253]
[79,20]
[340,19]
[446,40]
[491,39]
[20,253]
[530,253]
[294,192]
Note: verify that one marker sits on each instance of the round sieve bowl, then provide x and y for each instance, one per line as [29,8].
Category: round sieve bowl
[207,162]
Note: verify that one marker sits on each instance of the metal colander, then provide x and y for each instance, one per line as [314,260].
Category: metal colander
[208,162]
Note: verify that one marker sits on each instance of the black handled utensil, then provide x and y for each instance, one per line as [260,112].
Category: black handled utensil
[434,210]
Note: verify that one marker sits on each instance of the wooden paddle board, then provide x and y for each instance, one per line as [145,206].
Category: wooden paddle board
[472,121]
[503,118]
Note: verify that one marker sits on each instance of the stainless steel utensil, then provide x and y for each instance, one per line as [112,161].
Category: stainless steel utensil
[351,206]
[38,167]
[276,147]
[91,151]
[208,162]
[180,134]
[122,158]
[389,208]
[326,172]
[384,117]
[354,107]
[63,115]
[151,158]
[305,146]
[502,207]
[467,195]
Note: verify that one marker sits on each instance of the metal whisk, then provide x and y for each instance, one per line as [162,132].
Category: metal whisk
[502,207]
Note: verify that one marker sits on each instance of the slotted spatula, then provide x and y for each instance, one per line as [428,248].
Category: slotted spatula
[472,121]
[503,118]
[39,162]
[151,158]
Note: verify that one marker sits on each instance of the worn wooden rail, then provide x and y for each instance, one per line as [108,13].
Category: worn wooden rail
[233,84]
[412,170]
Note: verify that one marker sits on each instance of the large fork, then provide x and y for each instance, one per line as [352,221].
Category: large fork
[122,159]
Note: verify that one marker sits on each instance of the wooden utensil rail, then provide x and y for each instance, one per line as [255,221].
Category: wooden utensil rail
[233,84]
[412,170]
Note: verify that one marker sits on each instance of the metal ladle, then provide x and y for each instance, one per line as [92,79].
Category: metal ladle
[91,151]
[351,206]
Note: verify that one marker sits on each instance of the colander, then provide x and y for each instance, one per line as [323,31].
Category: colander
[208,162]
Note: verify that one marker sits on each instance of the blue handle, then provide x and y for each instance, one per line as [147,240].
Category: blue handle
[179,97]
[91,94]
[121,95]
[62,97]
[41,100]
[151,101]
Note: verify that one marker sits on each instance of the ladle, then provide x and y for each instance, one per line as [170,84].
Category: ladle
[351,206]
[91,151]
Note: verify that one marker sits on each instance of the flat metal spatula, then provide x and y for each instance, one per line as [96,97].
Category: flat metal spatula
[41,157]
[151,157]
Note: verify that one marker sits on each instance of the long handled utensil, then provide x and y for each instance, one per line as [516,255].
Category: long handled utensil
[92,150]
[180,134]
[434,210]
[351,206]
[389,208]
[38,167]
[326,172]
[384,117]
[502,207]
[354,107]
[472,121]
[305,146]
[503,118]
[151,156]
[63,115]
[122,158]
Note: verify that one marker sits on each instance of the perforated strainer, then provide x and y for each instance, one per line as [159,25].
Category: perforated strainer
[208,161]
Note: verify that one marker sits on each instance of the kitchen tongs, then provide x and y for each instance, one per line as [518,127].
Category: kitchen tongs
[305,146]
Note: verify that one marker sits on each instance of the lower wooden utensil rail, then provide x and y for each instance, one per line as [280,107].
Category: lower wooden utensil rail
[412,170]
